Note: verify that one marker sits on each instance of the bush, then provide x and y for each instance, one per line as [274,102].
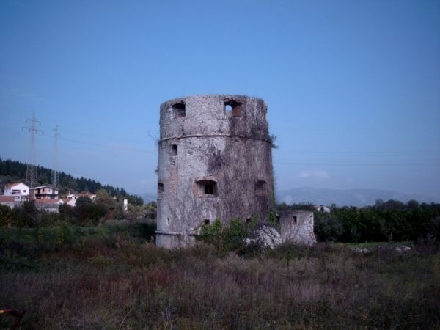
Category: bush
[230,237]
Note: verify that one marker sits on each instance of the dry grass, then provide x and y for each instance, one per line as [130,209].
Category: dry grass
[120,283]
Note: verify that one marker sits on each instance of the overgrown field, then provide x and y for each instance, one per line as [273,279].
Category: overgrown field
[107,278]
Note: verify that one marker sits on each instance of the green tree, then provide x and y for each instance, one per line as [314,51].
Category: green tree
[25,215]
[328,227]
[105,199]
[150,211]
[5,215]
[68,214]
[89,212]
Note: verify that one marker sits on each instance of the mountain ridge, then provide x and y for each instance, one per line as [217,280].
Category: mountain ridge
[346,197]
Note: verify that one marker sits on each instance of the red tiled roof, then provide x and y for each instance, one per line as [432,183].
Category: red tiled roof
[7,199]
[10,185]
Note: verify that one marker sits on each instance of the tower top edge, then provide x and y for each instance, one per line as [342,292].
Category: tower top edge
[210,96]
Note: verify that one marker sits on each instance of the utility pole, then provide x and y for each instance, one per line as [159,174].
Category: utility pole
[31,170]
[55,157]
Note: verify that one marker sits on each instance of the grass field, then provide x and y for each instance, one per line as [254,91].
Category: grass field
[111,278]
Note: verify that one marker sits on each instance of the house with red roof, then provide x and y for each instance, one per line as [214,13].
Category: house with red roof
[7,200]
[46,198]
[18,190]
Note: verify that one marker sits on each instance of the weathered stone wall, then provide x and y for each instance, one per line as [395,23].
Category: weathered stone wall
[215,162]
[297,226]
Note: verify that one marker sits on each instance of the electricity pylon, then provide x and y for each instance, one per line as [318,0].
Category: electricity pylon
[55,157]
[31,170]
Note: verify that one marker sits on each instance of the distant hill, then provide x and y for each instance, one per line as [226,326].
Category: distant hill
[350,197]
[148,197]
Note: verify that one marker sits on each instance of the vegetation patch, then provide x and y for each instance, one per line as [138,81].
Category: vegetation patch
[109,277]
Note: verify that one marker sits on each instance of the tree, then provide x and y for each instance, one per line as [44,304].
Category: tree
[83,200]
[25,215]
[105,199]
[328,227]
[89,212]
[5,215]
[135,200]
[150,210]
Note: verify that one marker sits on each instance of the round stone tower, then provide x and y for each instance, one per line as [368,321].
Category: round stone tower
[215,162]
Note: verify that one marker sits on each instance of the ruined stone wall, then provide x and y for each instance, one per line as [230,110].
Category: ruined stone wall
[215,162]
[297,226]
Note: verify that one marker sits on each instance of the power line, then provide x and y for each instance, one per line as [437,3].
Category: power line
[107,146]
[434,162]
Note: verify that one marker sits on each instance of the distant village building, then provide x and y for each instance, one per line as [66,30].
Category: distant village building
[44,192]
[18,190]
[14,194]
[322,208]
[7,201]
[45,198]
[48,205]
[71,198]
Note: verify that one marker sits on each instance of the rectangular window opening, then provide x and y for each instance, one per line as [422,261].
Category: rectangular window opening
[174,150]
[179,109]
[206,188]
[233,107]
[160,189]
[260,187]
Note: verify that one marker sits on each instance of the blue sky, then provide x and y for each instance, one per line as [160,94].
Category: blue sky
[352,87]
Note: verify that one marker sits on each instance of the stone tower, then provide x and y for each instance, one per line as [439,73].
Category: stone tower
[215,162]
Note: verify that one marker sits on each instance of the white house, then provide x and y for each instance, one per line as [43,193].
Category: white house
[322,208]
[18,190]
[45,197]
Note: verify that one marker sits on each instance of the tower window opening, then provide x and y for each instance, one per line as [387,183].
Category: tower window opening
[174,150]
[295,220]
[260,187]
[206,221]
[179,109]
[160,189]
[233,107]
[206,188]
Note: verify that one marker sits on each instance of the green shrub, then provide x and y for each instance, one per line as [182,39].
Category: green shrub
[229,237]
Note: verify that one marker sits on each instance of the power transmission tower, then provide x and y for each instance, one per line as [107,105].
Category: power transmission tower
[55,157]
[31,170]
